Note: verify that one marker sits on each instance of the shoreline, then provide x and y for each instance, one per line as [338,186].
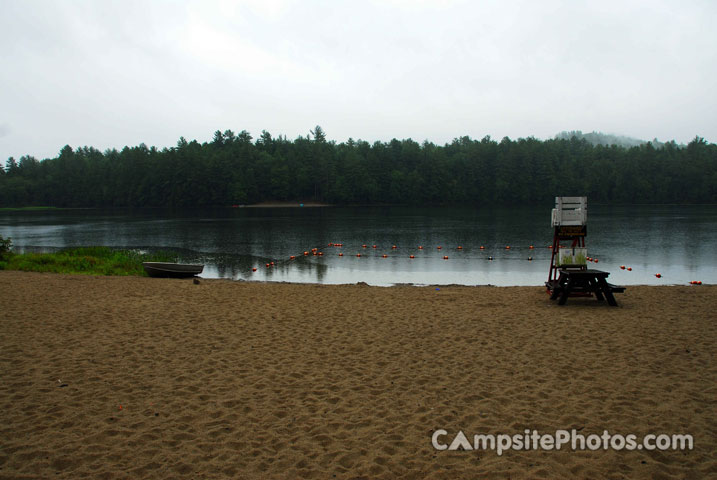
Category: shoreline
[425,285]
[319,204]
[360,282]
[284,205]
[156,378]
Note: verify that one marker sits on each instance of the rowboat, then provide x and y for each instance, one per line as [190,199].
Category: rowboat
[176,270]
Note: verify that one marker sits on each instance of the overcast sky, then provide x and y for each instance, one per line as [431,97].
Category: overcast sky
[114,73]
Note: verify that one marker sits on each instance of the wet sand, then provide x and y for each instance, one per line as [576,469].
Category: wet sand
[111,377]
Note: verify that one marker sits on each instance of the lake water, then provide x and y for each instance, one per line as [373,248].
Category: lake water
[680,242]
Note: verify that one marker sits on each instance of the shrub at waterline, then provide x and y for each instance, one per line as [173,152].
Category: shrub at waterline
[5,247]
[87,260]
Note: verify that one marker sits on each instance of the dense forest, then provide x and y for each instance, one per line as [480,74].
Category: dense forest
[236,169]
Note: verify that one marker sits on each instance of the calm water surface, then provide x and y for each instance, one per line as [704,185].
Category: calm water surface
[680,242]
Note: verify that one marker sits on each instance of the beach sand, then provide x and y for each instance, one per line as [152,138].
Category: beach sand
[126,377]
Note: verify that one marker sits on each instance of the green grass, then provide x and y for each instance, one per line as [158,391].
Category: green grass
[86,260]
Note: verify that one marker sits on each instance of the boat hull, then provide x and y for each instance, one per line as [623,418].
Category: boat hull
[173,270]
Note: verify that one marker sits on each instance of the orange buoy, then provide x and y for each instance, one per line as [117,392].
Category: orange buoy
[363,246]
[507,247]
[306,253]
[272,264]
[341,254]
[622,267]
[384,256]
[445,257]
[321,253]
[420,247]
[550,246]
[331,244]
[658,275]
[629,269]
[394,246]
[292,257]
[358,254]
[253,269]
[460,248]
[531,247]
[268,265]
[439,247]
[314,249]
[373,246]
[699,282]
[411,256]
[482,247]
[595,260]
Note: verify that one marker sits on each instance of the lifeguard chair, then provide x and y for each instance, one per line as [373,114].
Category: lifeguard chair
[569,220]
[569,274]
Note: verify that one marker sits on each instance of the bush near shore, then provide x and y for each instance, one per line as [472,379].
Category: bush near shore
[84,260]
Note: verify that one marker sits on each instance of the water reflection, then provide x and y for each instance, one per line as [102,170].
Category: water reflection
[679,242]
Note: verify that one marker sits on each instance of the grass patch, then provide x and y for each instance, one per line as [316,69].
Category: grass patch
[86,260]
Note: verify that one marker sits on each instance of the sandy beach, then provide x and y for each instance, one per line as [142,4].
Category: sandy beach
[127,377]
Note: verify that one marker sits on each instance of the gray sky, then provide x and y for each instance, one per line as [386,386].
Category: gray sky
[108,74]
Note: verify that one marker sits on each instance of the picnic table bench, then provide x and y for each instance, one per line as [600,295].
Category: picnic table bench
[583,281]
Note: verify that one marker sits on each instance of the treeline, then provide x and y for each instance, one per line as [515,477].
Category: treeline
[236,169]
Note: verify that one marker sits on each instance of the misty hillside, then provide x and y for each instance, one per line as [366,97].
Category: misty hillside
[599,138]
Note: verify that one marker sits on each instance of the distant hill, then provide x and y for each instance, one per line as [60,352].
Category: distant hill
[599,138]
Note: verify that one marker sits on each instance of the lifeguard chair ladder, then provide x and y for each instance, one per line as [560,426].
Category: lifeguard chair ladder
[569,219]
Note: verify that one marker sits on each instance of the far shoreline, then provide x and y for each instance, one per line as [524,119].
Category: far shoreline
[284,205]
[297,204]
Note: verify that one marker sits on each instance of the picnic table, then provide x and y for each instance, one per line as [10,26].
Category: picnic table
[585,282]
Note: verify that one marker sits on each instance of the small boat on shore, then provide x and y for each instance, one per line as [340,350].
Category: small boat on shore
[174,270]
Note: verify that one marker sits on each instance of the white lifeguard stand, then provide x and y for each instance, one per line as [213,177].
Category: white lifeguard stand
[569,219]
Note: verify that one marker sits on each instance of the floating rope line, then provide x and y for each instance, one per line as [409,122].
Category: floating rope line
[361,253]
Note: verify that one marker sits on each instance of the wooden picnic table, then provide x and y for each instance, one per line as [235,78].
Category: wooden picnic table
[583,281]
